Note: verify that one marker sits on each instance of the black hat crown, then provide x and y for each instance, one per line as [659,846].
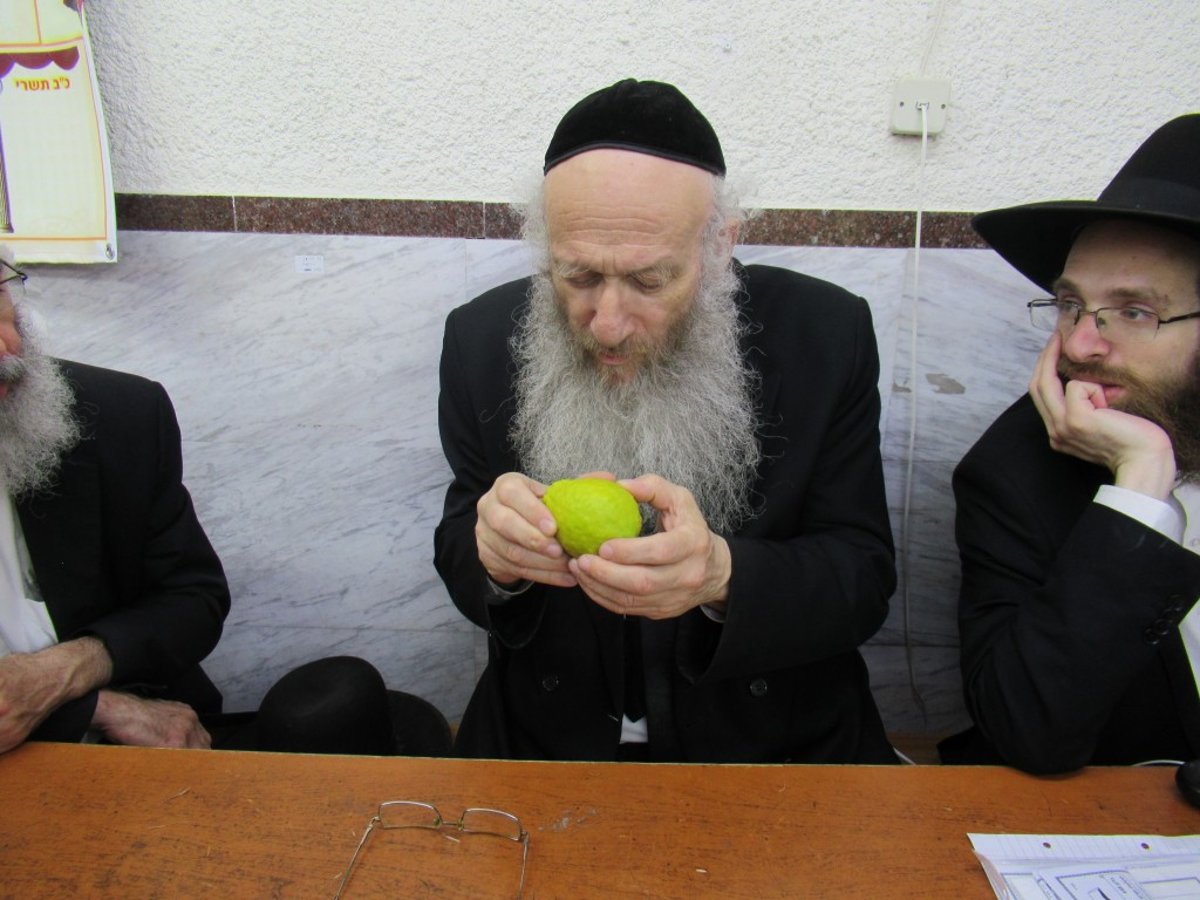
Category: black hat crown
[339,704]
[1163,175]
[1159,184]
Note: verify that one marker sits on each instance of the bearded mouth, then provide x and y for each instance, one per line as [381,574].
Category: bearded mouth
[1092,373]
[624,354]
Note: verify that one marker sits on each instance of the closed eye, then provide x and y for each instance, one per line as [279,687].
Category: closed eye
[580,278]
[656,277]
[647,282]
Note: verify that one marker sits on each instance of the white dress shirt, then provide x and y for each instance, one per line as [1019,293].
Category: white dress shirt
[25,625]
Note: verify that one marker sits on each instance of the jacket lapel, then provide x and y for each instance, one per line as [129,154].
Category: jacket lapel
[62,530]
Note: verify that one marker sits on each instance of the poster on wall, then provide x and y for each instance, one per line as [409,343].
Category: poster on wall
[56,197]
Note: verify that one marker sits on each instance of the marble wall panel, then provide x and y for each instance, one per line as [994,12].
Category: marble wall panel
[304,373]
[918,689]
[975,349]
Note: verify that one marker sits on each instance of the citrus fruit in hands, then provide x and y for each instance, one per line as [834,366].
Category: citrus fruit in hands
[590,511]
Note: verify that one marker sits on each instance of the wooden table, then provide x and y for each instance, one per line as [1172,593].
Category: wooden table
[86,821]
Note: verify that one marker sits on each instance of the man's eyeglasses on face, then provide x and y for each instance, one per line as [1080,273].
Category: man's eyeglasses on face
[12,281]
[416,814]
[1129,324]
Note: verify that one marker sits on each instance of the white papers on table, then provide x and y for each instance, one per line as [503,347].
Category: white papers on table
[1090,867]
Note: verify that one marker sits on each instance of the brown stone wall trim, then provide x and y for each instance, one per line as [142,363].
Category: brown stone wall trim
[467,219]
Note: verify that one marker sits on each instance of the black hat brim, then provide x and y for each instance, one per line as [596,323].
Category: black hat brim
[418,727]
[1035,238]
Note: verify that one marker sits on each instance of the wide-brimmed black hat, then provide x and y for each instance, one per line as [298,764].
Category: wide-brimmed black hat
[644,116]
[340,704]
[1159,184]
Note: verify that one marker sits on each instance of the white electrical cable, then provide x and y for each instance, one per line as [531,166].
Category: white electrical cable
[905,557]
[933,33]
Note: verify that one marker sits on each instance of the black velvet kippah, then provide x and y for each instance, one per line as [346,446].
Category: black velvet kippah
[644,116]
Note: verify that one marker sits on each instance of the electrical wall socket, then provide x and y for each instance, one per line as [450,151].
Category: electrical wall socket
[907,97]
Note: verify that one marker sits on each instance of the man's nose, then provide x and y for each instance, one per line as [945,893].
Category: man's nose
[610,324]
[1085,341]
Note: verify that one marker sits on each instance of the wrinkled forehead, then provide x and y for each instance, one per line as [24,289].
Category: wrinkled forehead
[612,196]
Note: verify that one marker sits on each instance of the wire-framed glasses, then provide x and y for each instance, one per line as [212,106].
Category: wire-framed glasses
[12,280]
[478,820]
[1130,324]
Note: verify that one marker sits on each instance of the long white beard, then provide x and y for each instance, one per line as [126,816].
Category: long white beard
[36,425]
[688,414]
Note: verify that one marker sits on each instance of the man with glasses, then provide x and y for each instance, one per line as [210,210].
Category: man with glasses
[1078,511]
[111,594]
[740,406]
[106,578]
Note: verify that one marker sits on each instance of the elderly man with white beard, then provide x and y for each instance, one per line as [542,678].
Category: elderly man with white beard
[110,593]
[739,405]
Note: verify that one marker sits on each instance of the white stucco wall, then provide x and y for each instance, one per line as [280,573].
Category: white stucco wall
[456,100]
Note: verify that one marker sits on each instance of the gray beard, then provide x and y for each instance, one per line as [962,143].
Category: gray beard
[36,423]
[689,414]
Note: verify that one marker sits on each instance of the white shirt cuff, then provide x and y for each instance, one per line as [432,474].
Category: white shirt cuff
[1165,518]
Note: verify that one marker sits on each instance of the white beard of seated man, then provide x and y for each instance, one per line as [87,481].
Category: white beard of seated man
[36,429]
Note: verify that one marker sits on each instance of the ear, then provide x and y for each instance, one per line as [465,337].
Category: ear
[731,231]
[729,237]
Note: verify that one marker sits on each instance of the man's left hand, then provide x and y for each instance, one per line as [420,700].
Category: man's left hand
[662,575]
[127,719]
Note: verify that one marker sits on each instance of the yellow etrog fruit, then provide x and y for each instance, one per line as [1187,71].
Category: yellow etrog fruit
[590,511]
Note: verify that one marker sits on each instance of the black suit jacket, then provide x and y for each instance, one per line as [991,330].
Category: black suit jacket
[118,552]
[1068,613]
[782,678]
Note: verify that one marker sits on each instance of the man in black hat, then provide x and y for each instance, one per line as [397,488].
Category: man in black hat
[111,594]
[738,404]
[1078,511]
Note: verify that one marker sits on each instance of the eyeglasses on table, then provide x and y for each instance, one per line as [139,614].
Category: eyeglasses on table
[477,820]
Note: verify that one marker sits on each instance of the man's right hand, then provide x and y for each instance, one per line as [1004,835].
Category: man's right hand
[1080,423]
[126,719]
[514,533]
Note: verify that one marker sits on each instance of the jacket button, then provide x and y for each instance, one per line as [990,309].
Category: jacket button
[1151,636]
[758,687]
[550,683]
